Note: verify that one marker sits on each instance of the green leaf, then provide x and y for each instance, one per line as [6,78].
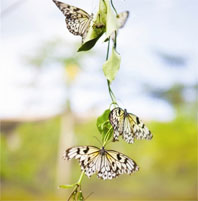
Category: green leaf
[111,20]
[112,65]
[101,15]
[101,120]
[89,44]
[67,186]
[80,196]
[104,126]
[98,28]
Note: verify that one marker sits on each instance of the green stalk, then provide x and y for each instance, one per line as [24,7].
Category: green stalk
[107,136]
[80,178]
[108,46]
[112,96]
[113,7]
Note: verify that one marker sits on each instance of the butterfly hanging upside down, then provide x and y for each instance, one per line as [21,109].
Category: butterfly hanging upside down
[77,20]
[128,125]
[107,164]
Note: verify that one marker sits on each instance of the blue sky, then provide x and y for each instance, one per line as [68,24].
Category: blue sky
[154,27]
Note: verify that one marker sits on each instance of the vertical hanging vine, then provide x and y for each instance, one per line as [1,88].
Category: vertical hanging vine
[113,123]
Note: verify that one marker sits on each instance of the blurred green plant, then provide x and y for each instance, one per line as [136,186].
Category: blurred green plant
[29,171]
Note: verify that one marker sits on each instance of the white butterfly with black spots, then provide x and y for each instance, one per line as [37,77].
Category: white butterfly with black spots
[128,125]
[77,20]
[107,164]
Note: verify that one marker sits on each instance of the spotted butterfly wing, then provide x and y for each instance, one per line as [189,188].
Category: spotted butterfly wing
[128,125]
[138,127]
[77,20]
[116,118]
[107,164]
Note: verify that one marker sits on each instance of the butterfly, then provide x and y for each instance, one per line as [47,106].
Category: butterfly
[121,21]
[107,164]
[77,20]
[128,125]
[122,18]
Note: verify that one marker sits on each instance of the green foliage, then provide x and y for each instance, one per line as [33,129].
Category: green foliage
[112,65]
[90,43]
[111,20]
[104,126]
[98,28]
[67,186]
[169,157]
[28,165]
[105,21]
[80,196]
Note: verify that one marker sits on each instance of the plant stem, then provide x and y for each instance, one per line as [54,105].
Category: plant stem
[113,7]
[112,96]
[115,40]
[108,46]
[80,178]
[107,137]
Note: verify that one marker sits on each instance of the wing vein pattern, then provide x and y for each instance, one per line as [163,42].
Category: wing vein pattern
[128,125]
[77,20]
[107,164]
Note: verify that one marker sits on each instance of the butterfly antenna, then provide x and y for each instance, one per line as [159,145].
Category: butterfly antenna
[114,104]
[89,195]
[121,103]
[108,143]
[93,6]
[98,140]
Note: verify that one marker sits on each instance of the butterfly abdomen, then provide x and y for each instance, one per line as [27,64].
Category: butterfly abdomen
[125,113]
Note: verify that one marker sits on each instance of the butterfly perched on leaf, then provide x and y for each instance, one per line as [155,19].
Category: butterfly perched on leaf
[77,20]
[107,164]
[128,125]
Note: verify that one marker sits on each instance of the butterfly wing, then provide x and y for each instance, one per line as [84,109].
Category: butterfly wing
[120,163]
[116,118]
[122,18]
[121,21]
[138,128]
[114,164]
[128,125]
[128,134]
[77,20]
[107,164]
[88,157]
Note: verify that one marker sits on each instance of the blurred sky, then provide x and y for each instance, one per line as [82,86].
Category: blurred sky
[156,29]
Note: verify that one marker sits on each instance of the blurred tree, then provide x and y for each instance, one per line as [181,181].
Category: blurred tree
[58,52]
[180,96]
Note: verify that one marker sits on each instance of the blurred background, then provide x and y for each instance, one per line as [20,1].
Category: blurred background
[51,96]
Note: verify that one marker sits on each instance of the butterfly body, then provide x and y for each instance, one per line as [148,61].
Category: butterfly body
[128,125]
[77,20]
[107,164]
